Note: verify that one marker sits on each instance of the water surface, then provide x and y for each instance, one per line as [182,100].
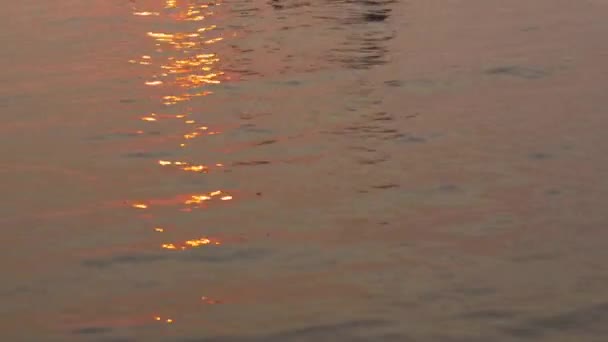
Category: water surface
[292,170]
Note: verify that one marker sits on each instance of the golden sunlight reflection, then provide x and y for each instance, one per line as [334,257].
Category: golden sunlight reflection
[184,64]
[154,83]
[198,199]
[146,14]
[185,166]
[189,244]
[163,320]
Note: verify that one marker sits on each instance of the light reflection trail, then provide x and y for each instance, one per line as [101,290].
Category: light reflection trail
[185,67]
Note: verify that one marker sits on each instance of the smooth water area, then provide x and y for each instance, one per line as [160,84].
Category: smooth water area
[293,170]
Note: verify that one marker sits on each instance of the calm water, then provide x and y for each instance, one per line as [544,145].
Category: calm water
[292,170]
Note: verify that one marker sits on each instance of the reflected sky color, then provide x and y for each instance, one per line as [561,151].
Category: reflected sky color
[183,66]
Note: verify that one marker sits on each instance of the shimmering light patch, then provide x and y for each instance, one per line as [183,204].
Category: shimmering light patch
[203,29]
[196,199]
[171,4]
[219,194]
[159,229]
[185,166]
[155,117]
[140,205]
[196,18]
[164,320]
[191,135]
[197,80]
[189,244]
[145,14]
[154,83]
[190,121]
[199,242]
[214,40]
[142,62]
[171,99]
[195,168]
[160,35]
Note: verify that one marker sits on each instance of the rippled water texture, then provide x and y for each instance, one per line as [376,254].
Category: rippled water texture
[303,170]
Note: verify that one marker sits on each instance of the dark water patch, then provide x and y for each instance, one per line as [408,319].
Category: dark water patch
[252,116]
[522,332]
[394,83]
[380,116]
[251,128]
[371,161]
[362,149]
[147,284]
[148,155]
[477,291]
[540,156]
[19,290]
[380,15]
[127,101]
[585,320]
[119,135]
[251,163]
[517,71]
[488,315]
[364,45]
[463,338]
[553,192]
[288,4]
[117,339]
[422,86]
[373,130]
[534,257]
[204,254]
[125,259]
[354,331]
[92,330]
[410,139]
[219,255]
[449,188]
[386,186]
[530,28]
[266,142]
